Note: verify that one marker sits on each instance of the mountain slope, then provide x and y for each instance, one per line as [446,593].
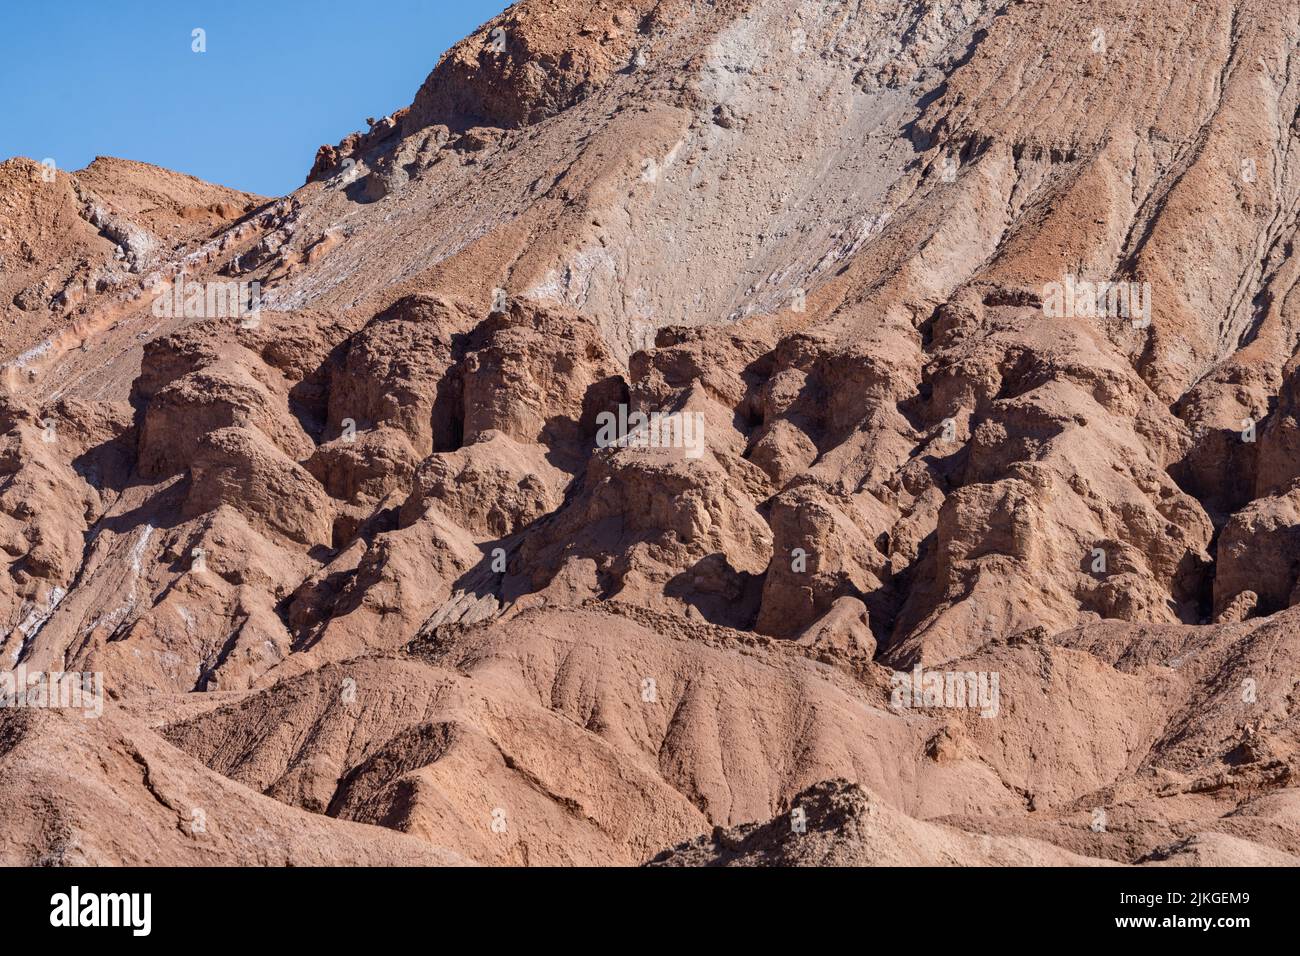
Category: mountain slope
[846,245]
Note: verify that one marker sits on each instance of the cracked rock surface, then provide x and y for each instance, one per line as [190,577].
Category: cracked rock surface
[907,547]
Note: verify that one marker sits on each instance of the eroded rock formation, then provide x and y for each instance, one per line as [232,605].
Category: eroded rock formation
[680,416]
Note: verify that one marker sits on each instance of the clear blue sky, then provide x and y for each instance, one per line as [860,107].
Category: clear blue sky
[87,78]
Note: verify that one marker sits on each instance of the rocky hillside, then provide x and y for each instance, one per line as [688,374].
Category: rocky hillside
[963,517]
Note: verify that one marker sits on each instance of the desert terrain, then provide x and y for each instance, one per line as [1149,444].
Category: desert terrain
[748,432]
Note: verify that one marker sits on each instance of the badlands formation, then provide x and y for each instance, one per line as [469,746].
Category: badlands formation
[967,530]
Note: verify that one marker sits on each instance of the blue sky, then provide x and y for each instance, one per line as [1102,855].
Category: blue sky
[87,78]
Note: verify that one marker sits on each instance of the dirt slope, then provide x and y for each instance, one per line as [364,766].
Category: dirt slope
[370,551]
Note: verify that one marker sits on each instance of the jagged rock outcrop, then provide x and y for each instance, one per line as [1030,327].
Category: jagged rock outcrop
[675,408]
